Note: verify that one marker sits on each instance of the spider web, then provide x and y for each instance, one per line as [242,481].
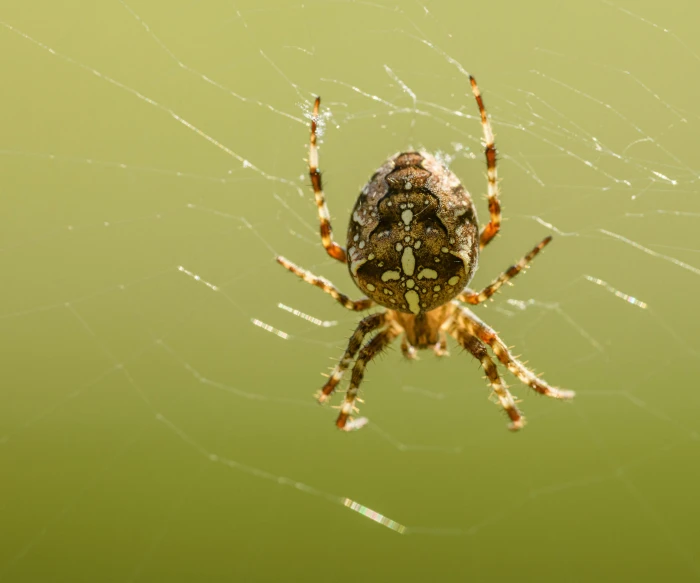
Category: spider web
[156,414]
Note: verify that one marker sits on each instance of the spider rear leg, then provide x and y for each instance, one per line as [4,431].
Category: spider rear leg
[473,325]
[326,286]
[368,352]
[366,326]
[471,297]
[506,400]
[332,248]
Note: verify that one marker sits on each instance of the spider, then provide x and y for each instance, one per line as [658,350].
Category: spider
[413,247]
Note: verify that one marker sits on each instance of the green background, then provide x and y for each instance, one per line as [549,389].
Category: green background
[150,432]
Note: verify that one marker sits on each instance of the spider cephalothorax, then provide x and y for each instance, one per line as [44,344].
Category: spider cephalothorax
[413,247]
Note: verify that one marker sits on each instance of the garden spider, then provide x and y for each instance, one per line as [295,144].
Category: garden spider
[413,247]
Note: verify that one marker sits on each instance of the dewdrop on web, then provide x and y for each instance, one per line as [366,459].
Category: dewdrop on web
[605,285]
[307,317]
[374,516]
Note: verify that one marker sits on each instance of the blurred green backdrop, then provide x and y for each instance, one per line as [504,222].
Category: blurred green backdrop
[149,431]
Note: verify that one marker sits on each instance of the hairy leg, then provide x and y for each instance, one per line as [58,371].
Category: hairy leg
[368,352]
[332,248]
[366,326]
[469,322]
[477,349]
[326,286]
[471,297]
[494,225]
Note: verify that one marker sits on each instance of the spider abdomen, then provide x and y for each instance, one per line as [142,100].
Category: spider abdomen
[413,238]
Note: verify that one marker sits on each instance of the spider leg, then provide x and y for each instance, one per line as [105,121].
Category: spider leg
[440,349]
[471,297]
[468,321]
[409,351]
[332,248]
[367,325]
[494,225]
[477,349]
[368,352]
[326,286]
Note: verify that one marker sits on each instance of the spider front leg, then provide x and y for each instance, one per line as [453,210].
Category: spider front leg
[468,321]
[471,297]
[332,248]
[478,350]
[326,286]
[494,226]
[366,326]
[368,352]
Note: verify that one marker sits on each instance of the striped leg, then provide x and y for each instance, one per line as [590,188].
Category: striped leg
[332,248]
[469,322]
[472,297]
[326,286]
[368,352]
[478,350]
[490,230]
[367,325]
